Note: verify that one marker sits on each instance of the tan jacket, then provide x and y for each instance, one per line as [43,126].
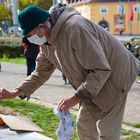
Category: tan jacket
[93,60]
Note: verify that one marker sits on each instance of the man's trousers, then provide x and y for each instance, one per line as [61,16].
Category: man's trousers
[93,124]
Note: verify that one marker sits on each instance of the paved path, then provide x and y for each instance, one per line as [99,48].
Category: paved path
[54,89]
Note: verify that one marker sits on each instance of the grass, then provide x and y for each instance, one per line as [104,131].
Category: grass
[129,135]
[18,60]
[45,118]
[136,125]
[40,115]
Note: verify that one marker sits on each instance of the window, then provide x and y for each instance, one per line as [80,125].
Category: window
[120,9]
[136,8]
[104,9]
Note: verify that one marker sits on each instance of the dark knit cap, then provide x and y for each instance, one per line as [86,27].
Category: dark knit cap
[30,17]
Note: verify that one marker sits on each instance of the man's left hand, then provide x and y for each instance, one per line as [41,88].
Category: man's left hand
[66,104]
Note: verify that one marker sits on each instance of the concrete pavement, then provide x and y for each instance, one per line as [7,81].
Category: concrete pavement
[55,89]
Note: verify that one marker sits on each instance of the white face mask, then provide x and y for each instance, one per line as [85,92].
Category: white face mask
[35,39]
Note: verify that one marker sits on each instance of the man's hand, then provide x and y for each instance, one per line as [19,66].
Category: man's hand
[5,94]
[66,104]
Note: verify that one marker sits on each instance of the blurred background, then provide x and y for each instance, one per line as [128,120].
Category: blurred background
[120,17]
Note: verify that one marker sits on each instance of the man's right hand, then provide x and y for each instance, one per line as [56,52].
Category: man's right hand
[5,94]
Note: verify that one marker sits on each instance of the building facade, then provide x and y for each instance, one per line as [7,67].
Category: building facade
[117,16]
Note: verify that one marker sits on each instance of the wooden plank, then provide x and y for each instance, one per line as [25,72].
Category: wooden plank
[19,123]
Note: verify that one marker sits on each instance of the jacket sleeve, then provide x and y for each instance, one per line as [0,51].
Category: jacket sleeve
[90,55]
[44,69]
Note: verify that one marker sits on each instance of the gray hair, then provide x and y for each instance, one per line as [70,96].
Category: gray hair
[48,24]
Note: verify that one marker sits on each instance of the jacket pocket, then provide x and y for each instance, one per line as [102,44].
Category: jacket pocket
[107,97]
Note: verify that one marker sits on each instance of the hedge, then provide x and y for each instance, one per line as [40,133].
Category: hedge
[11,47]
[134,46]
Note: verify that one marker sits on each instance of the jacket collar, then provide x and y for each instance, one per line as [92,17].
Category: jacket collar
[65,15]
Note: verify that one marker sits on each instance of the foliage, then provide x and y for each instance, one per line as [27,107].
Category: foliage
[134,47]
[45,4]
[17,60]
[4,12]
[11,47]
[23,3]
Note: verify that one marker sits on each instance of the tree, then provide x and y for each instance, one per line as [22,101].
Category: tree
[23,3]
[45,4]
[4,12]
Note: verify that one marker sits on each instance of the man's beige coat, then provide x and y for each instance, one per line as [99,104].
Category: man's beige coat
[88,56]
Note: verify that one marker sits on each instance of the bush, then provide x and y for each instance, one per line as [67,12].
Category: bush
[11,47]
[134,47]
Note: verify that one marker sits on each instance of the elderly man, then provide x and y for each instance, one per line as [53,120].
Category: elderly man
[97,65]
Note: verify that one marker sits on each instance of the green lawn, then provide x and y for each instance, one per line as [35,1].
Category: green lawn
[20,60]
[40,115]
[45,118]
[129,135]
[132,124]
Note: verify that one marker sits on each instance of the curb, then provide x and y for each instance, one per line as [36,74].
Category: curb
[38,101]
